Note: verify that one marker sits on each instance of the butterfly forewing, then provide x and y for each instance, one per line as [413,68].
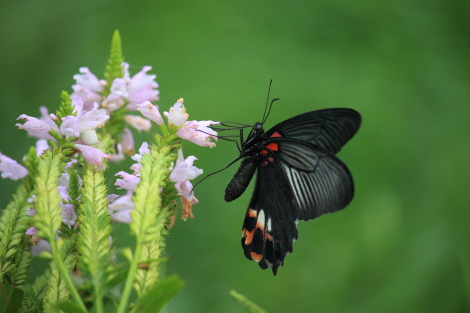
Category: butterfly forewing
[328,128]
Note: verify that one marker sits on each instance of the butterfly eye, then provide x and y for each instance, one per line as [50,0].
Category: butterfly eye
[258,126]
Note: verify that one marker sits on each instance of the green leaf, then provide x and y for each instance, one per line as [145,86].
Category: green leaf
[70,307]
[13,243]
[32,295]
[247,303]
[159,295]
[10,298]
[65,107]
[48,218]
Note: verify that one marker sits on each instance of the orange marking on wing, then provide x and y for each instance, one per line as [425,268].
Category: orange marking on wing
[248,235]
[252,213]
[257,257]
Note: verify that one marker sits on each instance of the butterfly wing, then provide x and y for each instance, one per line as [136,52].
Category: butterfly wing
[320,182]
[329,129]
[296,180]
[270,225]
[299,177]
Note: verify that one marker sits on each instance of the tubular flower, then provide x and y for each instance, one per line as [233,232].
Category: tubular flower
[150,111]
[11,169]
[198,132]
[181,174]
[177,115]
[92,155]
[88,87]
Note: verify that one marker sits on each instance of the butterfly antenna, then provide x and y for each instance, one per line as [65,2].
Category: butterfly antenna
[208,175]
[270,106]
[267,101]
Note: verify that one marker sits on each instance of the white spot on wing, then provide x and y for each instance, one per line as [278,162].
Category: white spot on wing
[269,225]
[261,218]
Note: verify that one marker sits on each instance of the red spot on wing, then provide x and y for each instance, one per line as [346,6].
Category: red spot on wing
[273,146]
[276,134]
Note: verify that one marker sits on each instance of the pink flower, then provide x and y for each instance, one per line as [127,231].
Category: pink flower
[11,169]
[121,208]
[41,146]
[187,198]
[150,111]
[177,115]
[119,156]
[127,181]
[92,155]
[39,127]
[69,217]
[141,87]
[198,133]
[88,87]
[181,174]
[128,142]
[144,148]
[91,119]
[138,122]
[184,169]
[41,246]
[117,96]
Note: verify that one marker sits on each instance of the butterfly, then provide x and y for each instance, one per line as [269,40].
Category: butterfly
[299,178]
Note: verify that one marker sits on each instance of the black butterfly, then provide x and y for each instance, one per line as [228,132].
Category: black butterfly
[299,178]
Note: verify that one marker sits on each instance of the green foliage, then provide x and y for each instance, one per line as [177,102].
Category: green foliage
[114,67]
[10,298]
[159,295]
[147,200]
[151,254]
[65,107]
[14,256]
[57,289]
[95,229]
[31,162]
[74,187]
[36,293]
[116,125]
[85,269]
[48,212]
[247,303]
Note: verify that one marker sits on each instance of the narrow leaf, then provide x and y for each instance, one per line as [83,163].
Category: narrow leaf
[160,294]
[247,303]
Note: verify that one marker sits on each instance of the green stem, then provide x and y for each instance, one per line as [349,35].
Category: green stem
[63,272]
[126,294]
[98,301]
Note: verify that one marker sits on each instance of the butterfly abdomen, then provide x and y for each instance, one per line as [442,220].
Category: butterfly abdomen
[240,180]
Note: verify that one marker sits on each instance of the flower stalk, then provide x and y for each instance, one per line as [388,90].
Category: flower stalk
[63,211]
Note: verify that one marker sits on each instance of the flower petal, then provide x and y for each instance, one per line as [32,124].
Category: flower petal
[92,155]
[150,111]
[11,169]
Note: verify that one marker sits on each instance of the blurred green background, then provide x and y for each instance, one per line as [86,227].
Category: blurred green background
[403,243]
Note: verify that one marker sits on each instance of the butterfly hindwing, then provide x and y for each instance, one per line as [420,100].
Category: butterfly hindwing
[320,182]
[270,225]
